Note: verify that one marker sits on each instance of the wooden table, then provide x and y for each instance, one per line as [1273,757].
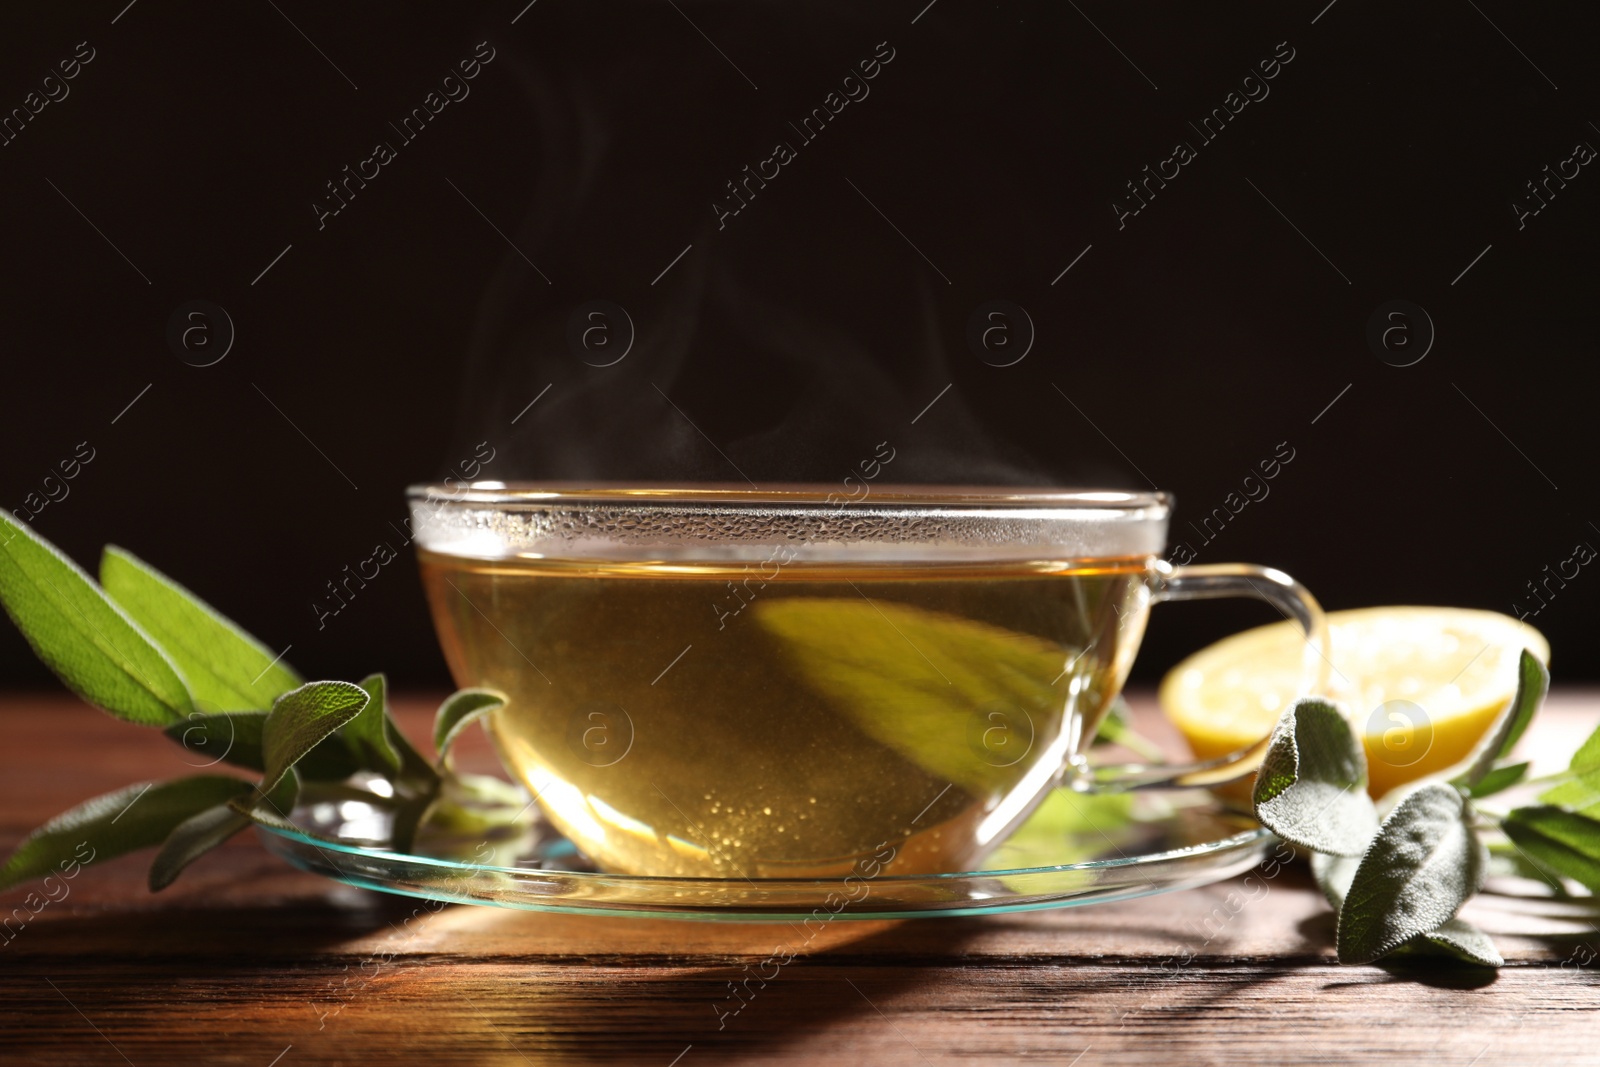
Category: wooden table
[245,961]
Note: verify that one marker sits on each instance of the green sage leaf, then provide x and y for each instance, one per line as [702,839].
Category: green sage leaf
[1582,793]
[201,833]
[1333,875]
[417,775]
[477,804]
[274,810]
[1506,859]
[1424,863]
[1456,937]
[1117,728]
[1311,789]
[415,770]
[458,711]
[1558,840]
[235,736]
[92,645]
[916,680]
[225,667]
[140,816]
[416,788]
[1498,780]
[330,760]
[1587,758]
[261,815]
[192,838]
[301,719]
[367,734]
[1533,681]
[1460,939]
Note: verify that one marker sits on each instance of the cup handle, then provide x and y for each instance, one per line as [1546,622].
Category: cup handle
[1208,582]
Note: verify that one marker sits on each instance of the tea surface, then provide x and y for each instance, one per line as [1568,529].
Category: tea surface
[787,718]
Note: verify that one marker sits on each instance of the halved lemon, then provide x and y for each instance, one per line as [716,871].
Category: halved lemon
[1422,684]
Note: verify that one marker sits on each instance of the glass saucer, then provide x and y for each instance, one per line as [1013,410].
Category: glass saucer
[1075,850]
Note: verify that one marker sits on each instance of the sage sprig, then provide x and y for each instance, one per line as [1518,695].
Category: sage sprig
[143,648]
[1398,884]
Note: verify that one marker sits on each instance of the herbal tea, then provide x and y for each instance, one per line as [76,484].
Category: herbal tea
[788,718]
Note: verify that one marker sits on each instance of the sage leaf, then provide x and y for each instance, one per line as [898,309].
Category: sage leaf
[201,833]
[300,719]
[1461,939]
[1311,789]
[367,734]
[1505,858]
[416,788]
[1559,840]
[263,815]
[1068,827]
[414,769]
[1587,758]
[330,760]
[1498,780]
[417,775]
[192,838]
[234,736]
[273,811]
[1533,681]
[478,804]
[407,817]
[140,816]
[93,647]
[917,681]
[1117,729]
[459,710]
[1456,937]
[1582,793]
[1423,864]
[225,667]
[1334,875]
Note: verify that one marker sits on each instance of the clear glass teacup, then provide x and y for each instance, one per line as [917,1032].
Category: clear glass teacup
[723,682]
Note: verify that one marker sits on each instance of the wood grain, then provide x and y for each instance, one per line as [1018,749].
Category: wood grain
[244,960]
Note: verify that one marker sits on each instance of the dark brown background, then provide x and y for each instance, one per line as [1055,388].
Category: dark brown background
[1196,339]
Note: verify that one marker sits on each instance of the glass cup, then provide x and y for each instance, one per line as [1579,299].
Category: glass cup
[790,682]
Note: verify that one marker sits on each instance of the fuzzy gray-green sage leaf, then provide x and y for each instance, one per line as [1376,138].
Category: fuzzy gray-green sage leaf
[1311,789]
[1422,865]
[299,721]
[1455,937]
[140,816]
